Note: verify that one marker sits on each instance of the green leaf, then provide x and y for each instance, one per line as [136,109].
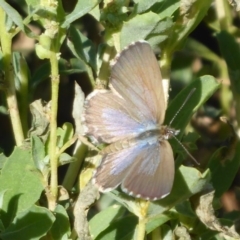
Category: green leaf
[81,47]
[41,74]
[166,8]
[188,141]
[1,226]
[65,159]
[15,17]
[190,15]
[61,227]
[231,53]
[185,209]
[212,235]
[95,12]
[84,50]
[33,3]
[143,5]
[19,177]
[138,28]
[71,66]
[31,224]
[149,26]
[82,7]
[160,32]
[167,232]
[106,217]
[2,193]
[65,133]
[158,221]
[3,159]
[223,170]
[74,65]
[120,229]
[195,47]
[38,152]
[233,215]
[205,86]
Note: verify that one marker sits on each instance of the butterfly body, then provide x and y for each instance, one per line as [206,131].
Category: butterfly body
[148,137]
[129,118]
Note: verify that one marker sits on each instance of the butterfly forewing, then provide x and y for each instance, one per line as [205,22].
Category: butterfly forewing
[136,103]
[136,76]
[109,118]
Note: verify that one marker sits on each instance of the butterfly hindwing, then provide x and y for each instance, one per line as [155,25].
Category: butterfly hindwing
[145,169]
[152,175]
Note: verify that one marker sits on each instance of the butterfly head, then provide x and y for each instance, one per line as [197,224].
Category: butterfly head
[168,132]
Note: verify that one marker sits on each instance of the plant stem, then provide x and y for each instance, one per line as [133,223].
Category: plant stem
[222,14]
[53,130]
[23,92]
[74,168]
[141,228]
[6,41]
[104,71]
[165,71]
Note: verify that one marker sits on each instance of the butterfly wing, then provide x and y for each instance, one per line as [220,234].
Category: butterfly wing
[145,170]
[109,118]
[136,102]
[116,161]
[152,174]
[136,76]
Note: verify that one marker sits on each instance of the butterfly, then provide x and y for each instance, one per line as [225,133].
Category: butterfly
[129,117]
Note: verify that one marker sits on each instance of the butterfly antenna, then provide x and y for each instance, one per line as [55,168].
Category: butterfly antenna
[188,153]
[189,95]
[185,149]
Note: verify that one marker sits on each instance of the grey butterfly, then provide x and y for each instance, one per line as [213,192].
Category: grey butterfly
[129,118]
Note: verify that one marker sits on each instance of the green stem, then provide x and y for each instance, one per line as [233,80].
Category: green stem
[74,168]
[222,15]
[6,41]
[23,92]
[105,70]
[141,228]
[53,130]
[165,71]
[90,75]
